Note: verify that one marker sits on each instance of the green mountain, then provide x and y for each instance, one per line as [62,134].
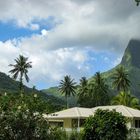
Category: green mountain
[9,85]
[56,93]
[131,62]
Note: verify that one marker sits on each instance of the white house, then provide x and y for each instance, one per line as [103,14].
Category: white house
[75,117]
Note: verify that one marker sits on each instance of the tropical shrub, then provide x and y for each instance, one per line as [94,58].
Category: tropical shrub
[58,134]
[127,99]
[94,92]
[21,117]
[105,125]
[75,135]
[133,134]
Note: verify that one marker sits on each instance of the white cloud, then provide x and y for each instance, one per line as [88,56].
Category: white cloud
[49,66]
[44,32]
[7,53]
[117,61]
[98,25]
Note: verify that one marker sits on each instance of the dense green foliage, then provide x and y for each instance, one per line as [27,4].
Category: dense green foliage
[76,135]
[22,117]
[82,92]
[55,92]
[99,90]
[67,87]
[20,69]
[94,92]
[133,134]
[120,79]
[125,98]
[83,87]
[9,85]
[137,1]
[105,125]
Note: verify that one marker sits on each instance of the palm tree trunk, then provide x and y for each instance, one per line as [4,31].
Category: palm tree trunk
[67,105]
[21,84]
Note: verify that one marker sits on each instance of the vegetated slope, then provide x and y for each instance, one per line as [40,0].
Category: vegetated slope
[131,62]
[55,92]
[9,85]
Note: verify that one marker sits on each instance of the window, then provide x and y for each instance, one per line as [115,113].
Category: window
[75,123]
[137,123]
[56,124]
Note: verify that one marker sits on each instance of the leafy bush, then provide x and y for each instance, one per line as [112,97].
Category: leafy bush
[74,135]
[105,125]
[21,117]
[133,134]
[58,134]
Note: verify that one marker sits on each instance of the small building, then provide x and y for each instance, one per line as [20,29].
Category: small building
[75,117]
[69,118]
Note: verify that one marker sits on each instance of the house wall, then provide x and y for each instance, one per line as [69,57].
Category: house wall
[133,123]
[130,124]
[68,123]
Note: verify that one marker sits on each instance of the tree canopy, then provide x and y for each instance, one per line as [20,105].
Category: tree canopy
[120,79]
[67,87]
[20,68]
[125,98]
[105,125]
[137,2]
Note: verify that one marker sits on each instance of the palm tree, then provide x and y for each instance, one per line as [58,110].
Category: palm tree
[67,87]
[99,90]
[125,98]
[20,69]
[121,81]
[82,91]
[137,1]
[82,88]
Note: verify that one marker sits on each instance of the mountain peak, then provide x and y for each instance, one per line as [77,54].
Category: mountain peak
[132,54]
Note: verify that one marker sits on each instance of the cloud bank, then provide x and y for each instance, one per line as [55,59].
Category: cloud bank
[80,27]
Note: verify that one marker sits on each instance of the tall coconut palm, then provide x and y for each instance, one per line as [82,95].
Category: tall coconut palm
[120,79]
[82,91]
[137,1]
[20,69]
[101,90]
[82,88]
[67,87]
[125,98]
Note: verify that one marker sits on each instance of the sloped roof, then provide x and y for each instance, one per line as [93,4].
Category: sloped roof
[79,112]
[75,112]
[124,110]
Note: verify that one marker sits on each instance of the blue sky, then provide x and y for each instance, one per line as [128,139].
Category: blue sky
[10,31]
[67,37]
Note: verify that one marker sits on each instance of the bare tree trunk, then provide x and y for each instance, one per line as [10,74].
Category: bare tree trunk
[21,84]
[67,105]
